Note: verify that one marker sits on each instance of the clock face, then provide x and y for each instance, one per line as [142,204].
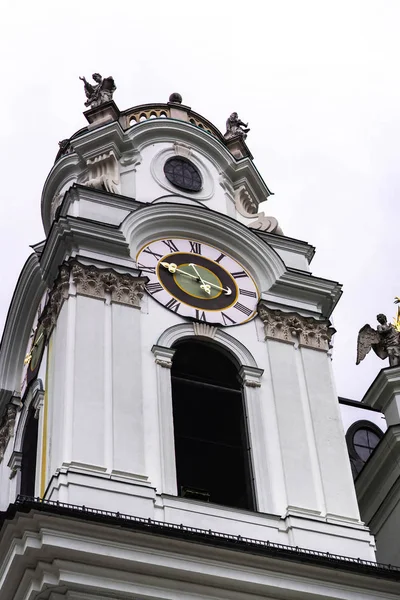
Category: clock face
[34,351]
[198,281]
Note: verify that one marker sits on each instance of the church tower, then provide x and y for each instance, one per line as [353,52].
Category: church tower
[166,366]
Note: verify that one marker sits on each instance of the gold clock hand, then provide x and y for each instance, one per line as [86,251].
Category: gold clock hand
[226,290]
[204,286]
[172,268]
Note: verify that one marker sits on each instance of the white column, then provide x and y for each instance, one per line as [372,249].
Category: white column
[163,359]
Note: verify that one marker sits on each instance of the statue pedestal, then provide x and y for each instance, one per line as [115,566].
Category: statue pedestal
[100,115]
[384,394]
[237,147]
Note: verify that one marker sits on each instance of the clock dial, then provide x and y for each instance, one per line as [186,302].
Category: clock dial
[198,281]
[34,351]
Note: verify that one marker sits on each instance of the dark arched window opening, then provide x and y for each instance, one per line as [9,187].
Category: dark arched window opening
[362,438]
[210,427]
[29,449]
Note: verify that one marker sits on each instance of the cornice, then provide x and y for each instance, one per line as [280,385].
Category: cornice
[286,243]
[385,385]
[71,236]
[79,192]
[33,528]
[301,289]
[28,291]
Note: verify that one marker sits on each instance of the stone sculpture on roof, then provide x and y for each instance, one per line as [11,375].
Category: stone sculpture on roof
[384,340]
[235,127]
[100,93]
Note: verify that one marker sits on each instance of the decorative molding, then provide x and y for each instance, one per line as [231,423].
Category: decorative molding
[122,288]
[251,376]
[205,330]
[268,224]
[103,173]
[163,356]
[7,427]
[245,202]
[292,327]
[15,463]
[182,150]
[247,205]
[55,203]
[185,330]
[57,295]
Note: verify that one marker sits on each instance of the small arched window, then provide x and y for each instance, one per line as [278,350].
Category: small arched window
[29,450]
[362,438]
[212,447]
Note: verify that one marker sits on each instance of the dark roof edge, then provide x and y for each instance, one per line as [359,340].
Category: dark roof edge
[357,404]
[223,540]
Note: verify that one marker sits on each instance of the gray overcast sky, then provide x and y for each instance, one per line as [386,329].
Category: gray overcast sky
[318,82]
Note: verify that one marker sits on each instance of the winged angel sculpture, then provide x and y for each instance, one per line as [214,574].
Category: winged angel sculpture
[384,340]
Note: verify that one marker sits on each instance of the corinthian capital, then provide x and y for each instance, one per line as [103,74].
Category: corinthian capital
[294,328]
[122,288]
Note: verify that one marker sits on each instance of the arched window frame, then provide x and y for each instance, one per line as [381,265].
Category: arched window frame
[35,399]
[250,375]
[364,424]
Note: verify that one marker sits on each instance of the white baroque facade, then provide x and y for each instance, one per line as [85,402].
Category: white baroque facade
[89,423]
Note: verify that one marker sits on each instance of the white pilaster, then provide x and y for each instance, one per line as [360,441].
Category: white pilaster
[163,359]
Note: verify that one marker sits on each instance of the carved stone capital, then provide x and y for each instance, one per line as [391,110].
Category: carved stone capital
[89,280]
[56,298]
[163,356]
[7,427]
[294,328]
[121,288]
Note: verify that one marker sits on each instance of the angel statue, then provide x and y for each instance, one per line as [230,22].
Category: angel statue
[235,127]
[101,92]
[384,340]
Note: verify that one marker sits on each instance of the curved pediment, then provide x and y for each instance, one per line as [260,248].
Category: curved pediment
[233,238]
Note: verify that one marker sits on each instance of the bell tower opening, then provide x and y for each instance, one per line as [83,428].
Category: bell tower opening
[29,449]
[212,446]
